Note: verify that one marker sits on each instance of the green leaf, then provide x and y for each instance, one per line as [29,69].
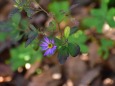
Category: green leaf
[73,49]
[100,51]
[106,54]
[13,11]
[56,8]
[83,48]
[63,54]
[21,55]
[29,11]
[3,36]
[97,13]
[91,21]
[15,35]
[78,37]
[98,17]
[81,37]
[99,26]
[58,42]
[104,5]
[106,43]
[66,32]
[33,28]
[24,24]
[110,17]
[73,30]
[94,22]
[16,19]
[31,37]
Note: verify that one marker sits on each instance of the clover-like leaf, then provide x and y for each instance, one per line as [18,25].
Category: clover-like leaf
[63,54]
[73,49]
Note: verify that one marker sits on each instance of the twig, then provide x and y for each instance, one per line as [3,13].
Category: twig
[53,19]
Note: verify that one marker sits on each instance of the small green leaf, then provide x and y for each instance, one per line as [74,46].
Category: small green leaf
[3,36]
[84,48]
[31,37]
[106,54]
[90,22]
[24,24]
[58,42]
[21,55]
[56,8]
[106,43]
[33,28]
[63,54]
[16,19]
[13,11]
[29,11]
[66,32]
[73,30]
[73,49]
[78,37]
[97,13]
[110,17]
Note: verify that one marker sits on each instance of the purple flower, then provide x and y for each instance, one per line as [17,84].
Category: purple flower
[48,46]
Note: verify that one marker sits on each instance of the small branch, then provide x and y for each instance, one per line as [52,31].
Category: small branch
[58,27]
[53,19]
[43,10]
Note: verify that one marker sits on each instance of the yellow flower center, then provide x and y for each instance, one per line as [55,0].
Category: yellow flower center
[50,45]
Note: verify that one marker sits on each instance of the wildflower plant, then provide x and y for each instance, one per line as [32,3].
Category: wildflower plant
[49,40]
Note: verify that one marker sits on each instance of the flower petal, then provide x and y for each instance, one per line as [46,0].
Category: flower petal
[52,41]
[54,48]
[48,52]
[43,44]
[47,40]
[44,48]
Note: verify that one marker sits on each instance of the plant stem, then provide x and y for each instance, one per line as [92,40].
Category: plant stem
[53,19]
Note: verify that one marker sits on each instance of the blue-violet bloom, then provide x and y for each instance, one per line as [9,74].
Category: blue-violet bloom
[48,46]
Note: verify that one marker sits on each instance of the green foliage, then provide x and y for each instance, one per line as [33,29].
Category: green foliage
[57,7]
[79,38]
[16,19]
[63,54]
[73,49]
[73,30]
[21,55]
[3,36]
[24,24]
[71,42]
[100,16]
[23,5]
[66,32]
[106,44]
[31,36]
